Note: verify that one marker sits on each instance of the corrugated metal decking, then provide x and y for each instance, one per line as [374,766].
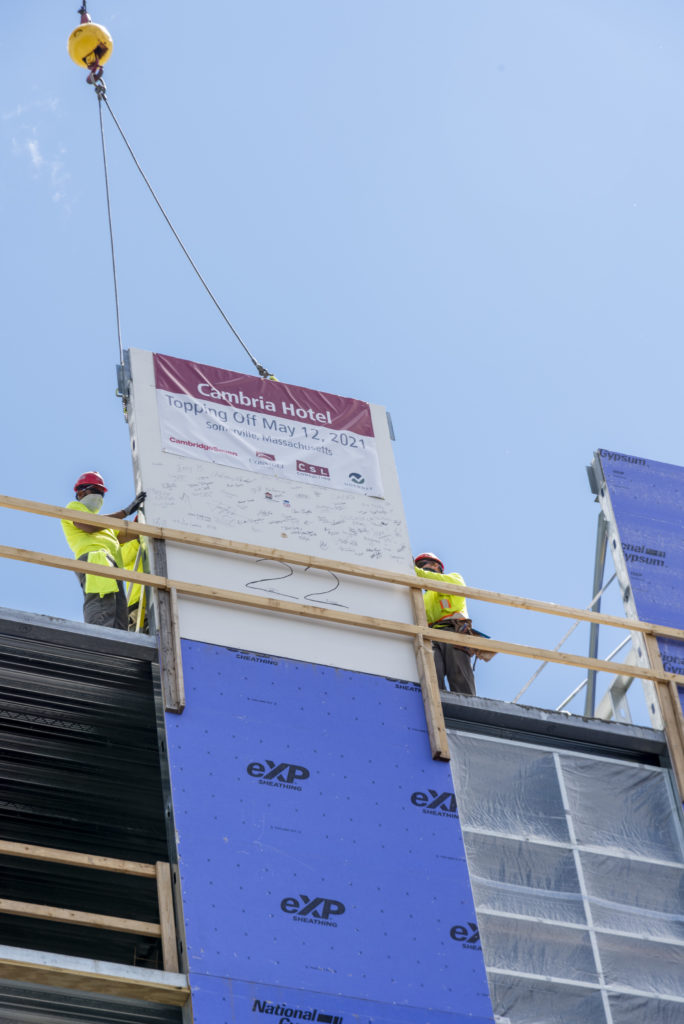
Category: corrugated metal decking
[23,1004]
[80,771]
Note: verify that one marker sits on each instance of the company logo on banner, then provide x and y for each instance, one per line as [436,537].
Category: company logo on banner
[265,426]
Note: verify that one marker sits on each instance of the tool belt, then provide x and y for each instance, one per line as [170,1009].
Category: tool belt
[465,626]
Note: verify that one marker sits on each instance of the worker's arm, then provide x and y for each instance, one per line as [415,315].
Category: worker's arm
[442,577]
[121,514]
[440,606]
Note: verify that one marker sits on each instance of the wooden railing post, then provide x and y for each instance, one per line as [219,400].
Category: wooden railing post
[166,917]
[667,695]
[171,664]
[429,685]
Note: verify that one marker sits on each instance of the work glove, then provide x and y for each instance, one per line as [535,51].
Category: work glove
[137,503]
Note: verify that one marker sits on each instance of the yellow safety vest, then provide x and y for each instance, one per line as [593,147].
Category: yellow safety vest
[443,606]
[101,548]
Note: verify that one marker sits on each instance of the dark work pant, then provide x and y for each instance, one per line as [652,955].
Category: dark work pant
[454,663]
[110,610]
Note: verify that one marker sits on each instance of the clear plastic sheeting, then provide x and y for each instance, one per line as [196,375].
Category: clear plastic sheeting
[525,864]
[630,810]
[577,866]
[638,897]
[647,966]
[516,793]
[629,1009]
[528,879]
[530,1001]
[536,903]
[513,944]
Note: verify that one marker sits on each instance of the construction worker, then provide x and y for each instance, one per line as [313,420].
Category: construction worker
[447,611]
[104,600]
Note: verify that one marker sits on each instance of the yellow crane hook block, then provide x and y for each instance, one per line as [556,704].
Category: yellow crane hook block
[90,45]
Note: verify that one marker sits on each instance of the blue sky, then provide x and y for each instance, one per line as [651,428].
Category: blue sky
[469,213]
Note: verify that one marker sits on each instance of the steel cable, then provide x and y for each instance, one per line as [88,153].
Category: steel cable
[99,89]
[262,371]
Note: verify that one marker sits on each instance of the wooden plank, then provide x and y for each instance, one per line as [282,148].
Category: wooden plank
[409,630]
[348,568]
[560,657]
[429,685]
[674,728]
[63,916]
[671,713]
[677,704]
[166,917]
[169,994]
[78,860]
[351,619]
[73,564]
[169,642]
[179,694]
[59,512]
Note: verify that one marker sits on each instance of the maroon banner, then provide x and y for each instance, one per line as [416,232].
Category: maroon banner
[253,394]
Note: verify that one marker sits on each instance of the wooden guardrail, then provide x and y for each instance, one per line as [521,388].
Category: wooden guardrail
[160,872]
[419,632]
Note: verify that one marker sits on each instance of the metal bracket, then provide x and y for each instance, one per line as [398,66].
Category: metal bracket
[124,377]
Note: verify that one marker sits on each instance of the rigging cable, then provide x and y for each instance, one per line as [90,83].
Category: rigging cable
[90,45]
[262,371]
[100,90]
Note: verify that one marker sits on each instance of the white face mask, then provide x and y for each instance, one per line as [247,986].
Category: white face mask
[93,502]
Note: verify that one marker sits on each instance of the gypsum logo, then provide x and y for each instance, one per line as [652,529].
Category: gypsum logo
[319,909]
[291,1013]
[282,775]
[432,802]
[640,553]
[356,478]
[468,937]
[617,457]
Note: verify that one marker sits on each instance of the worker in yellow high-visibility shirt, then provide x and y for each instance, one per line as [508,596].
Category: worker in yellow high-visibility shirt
[104,600]
[447,611]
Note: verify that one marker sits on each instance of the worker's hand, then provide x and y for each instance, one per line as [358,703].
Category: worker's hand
[484,655]
[137,503]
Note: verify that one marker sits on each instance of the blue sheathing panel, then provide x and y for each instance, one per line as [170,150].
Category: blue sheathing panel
[648,504]
[223,1001]
[321,855]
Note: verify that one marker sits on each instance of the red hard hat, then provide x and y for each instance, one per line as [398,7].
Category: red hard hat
[425,555]
[91,479]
